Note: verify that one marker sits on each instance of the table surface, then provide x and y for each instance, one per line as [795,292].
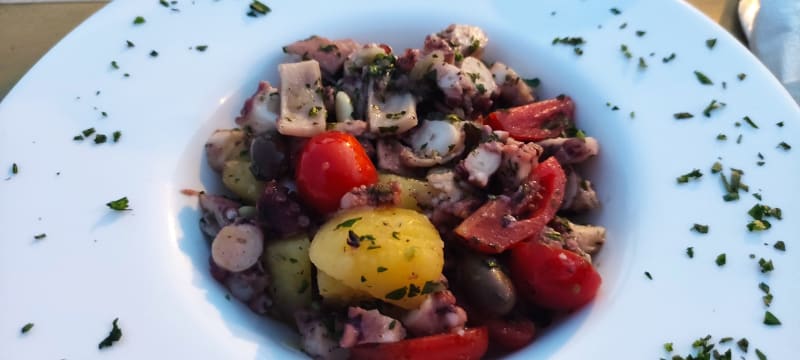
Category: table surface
[28,31]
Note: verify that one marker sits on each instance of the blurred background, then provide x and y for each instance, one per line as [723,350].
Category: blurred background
[28,29]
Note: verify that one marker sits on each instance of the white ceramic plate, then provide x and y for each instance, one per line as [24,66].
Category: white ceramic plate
[148,266]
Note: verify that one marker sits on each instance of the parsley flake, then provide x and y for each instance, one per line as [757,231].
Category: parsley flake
[711,42]
[743,344]
[14,168]
[741,76]
[690,252]
[114,65]
[770,319]
[625,51]
[397,294]
[750,122]
[760,355]
[113,336]
[702,78]
[533,83]
[615,11]
[26,328]
[648,275]
[668,58]
[694,174]
[201,48]
[138,20]
[347,223]
[119,204]
[129,43]
[40,236]
[258,8]
[642,63]
[702,229]
[765,265]
[640,33]
[713,105]
[683,115]
[783,145]
[721,259]
[153,53]
[116,135]
[381,269]
[569,40]
[780,245]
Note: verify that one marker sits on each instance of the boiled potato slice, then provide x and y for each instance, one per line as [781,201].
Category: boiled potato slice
[393,254]
[290,273]
[414,193]
[335,292]
[237,177]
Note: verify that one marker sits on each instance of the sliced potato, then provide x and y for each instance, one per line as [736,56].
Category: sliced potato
[290,269]
[415,193]
[393,254]
[237,177]
[335,292]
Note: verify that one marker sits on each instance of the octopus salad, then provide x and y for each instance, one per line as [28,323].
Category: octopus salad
[403,204]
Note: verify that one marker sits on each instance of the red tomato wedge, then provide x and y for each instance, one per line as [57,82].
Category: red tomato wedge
[552,277]
[330,165]
[488,229]
[535,121]
[510,335]
[472,344]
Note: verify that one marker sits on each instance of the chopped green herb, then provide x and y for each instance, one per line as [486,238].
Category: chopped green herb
[116,135]
[642,63]
[163,3]
[413,290]
[640,33]
[153,53]
[430,286]
[668,347]
[717,167]
[632,114]
[713,105]
[129,43]
[392,324]
[741,76]
[743,344]
[770,319]
[760,355]
[568,40]
[759,212]
[739,139]
[750,122]
[100,139]
[711,42]
[783,145]
[363,279]
[138,20]
[40,236]
[113,336]
[725,340]
[683,115]
[577,50]
[397,294]
[694,174]
[649,276]
[668,58]
[14,168]
[119,204]
[690,252]
[396,235]
[722,137]
[615,11]
[533,83]
[625,51]
[758,225]
[328,48]
[104,114]
[26,328]
[88,132]
[114,65]
[702,78]
[77,138]
[780,245]
[381,269]
[623,25]
[314,111]
[347,223]
[703,229]
[388,129]
[720,259]
[765,265]
[779,124]
[201,48]
[257,7]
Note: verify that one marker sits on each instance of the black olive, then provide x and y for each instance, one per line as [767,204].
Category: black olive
[485,283]
[268,156]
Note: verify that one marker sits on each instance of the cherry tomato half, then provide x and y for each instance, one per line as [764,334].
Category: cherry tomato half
[535,121]
[512,334]
[330,165]
[487,230]
[472,344]
[552,277]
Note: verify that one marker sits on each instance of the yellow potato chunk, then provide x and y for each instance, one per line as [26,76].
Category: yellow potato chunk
[335,292]
[393,254]
[237,177]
